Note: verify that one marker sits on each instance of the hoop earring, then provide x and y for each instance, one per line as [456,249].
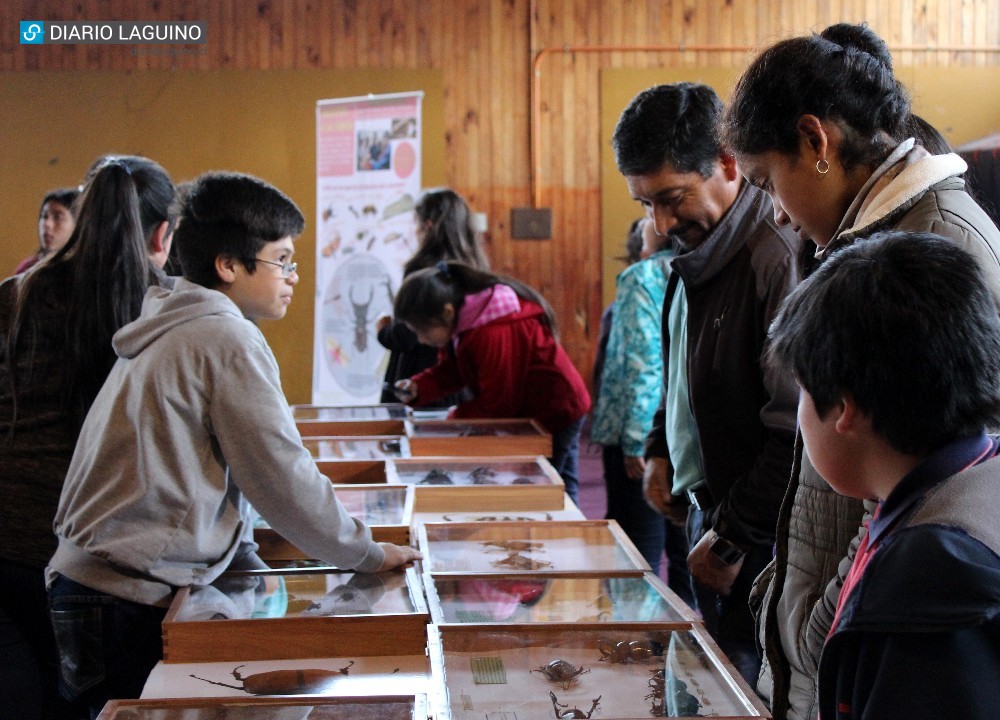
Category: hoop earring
[822,167]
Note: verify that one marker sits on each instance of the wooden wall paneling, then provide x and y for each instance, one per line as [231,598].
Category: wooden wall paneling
[484,50]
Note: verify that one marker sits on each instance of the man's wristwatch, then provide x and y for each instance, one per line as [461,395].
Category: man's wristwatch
[726,551]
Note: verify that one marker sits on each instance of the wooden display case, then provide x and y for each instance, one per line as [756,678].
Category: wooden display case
[479,483]
[557,548]
[272,615]
[386,509]
[387,707]
[477,438]
[353,472]
[321,420]
[570,671]
[356,448]
[540,598]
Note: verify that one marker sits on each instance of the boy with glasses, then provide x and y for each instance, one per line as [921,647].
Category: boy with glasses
[189,428]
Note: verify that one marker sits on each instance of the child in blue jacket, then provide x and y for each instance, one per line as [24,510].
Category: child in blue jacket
[895,342]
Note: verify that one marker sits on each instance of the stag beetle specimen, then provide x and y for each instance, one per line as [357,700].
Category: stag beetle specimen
[561,671]
[282,682]
[565,712]
[361,318]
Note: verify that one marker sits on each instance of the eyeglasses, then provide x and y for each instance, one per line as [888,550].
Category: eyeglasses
[287,268]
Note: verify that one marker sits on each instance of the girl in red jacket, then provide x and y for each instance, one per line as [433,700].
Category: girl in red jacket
[497,341]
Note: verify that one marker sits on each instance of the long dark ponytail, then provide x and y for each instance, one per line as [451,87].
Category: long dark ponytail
[100,276]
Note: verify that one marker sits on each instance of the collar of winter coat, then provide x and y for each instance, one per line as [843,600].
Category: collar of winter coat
[905,176]
[486,306]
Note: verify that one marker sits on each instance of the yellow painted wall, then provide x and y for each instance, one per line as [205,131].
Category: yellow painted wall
[54,124]
[961,102]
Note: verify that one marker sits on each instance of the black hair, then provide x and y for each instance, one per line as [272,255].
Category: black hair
[843,75]
[904,324]
[669,125]
[633,241]
[927,135]
[64,196]
[422,296]
[232,215]
[449,235]
[100,275]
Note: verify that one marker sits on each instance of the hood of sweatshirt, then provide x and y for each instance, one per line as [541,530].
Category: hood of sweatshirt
[164,309]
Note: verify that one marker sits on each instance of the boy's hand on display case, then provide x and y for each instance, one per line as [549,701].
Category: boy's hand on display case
[398,556]
[382,322]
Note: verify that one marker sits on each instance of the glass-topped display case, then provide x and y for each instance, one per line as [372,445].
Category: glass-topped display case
[479,483]
[386,509]
[275,614]
[558,547]
[613,671]
[384,419]
[477,438]
[541,598]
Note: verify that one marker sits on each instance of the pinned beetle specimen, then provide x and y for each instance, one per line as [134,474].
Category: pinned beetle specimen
[565,712]
[436,476]
[513,545]
[283,682]
[625,651]
[562,672]
[483,475]
[516,561]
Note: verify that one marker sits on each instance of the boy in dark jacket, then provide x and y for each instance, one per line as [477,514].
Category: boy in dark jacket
[895,342]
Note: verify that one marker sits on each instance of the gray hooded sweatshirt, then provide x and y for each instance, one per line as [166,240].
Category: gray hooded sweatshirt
[191,424]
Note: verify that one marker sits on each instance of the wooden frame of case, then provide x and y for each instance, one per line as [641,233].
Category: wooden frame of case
[519,437]
[577,591]
[320,420]
[274,547]
[375,448]
[594,652]
[384,707]
[353,472]
[234,640]
[548,495]
[587,539]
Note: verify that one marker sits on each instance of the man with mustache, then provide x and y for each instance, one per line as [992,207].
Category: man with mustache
[723,437]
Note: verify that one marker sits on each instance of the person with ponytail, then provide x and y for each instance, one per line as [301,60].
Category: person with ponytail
[823,126]
[444,232]
[56,323]
[497,339]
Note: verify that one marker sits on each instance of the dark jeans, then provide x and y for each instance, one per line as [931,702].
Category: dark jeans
[107,646]
[645,527]
[29,665]
[677,549]
[728,619]
[566,456]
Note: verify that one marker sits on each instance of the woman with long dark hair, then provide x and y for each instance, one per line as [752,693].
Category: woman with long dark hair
[56,323]
[444,232]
